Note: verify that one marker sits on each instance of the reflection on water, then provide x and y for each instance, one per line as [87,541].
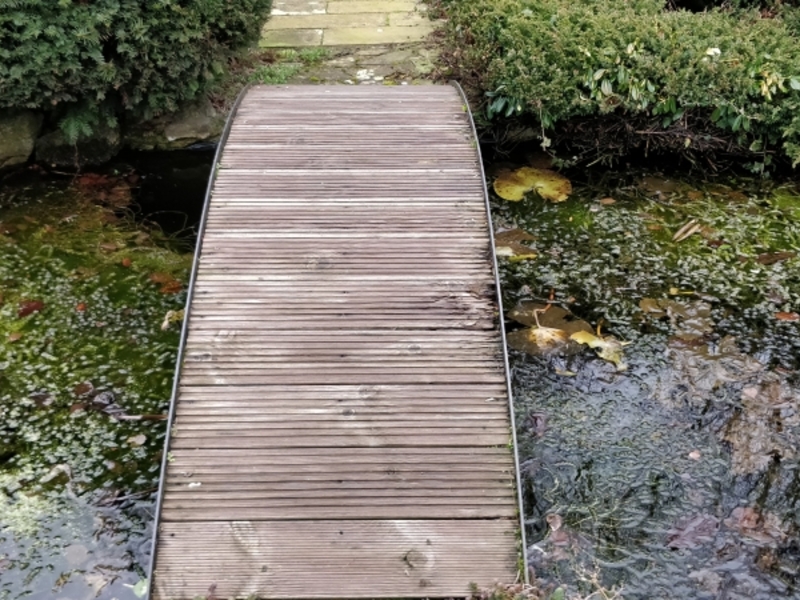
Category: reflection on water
[86,364]
[679,477]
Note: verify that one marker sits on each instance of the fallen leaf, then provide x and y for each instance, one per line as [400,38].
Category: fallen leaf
[513,185]
[171,287]
[161,277]
[538,340]
[607,201]
[29,307]
[787,316]
[515,252]
[608,348]
[137,440]
[695,455]
[14,336]
[770,258]
[534,314]
[694,195]
[83,388]
[513,235]
[692,532]
[126,262]
[81,307]
[172,316]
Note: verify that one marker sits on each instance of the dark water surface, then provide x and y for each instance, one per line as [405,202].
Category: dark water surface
[90,267]
[678,477]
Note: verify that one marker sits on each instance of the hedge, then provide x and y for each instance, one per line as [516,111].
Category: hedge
[89,58]
[717,79]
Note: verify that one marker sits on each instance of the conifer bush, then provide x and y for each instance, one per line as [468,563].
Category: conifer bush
[90,60]
[720,78]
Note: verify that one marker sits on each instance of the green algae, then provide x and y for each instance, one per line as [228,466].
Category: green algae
[78,464]
[677,478]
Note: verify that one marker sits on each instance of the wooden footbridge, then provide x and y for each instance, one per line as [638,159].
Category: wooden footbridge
[340,424]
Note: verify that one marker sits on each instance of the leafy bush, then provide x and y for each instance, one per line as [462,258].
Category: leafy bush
[88,60]
[694,81]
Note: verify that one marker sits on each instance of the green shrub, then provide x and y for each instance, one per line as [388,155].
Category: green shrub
[717,79]
[92,59]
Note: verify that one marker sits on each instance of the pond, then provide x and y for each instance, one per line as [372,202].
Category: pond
[667,468]
[672,473]
[92,276]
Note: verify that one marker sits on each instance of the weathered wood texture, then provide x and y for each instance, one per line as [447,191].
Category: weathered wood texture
[341,426]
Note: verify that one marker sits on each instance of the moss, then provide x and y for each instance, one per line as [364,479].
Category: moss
[97,331]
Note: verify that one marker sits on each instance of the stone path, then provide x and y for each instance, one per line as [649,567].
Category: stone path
[363,41]
[299,23]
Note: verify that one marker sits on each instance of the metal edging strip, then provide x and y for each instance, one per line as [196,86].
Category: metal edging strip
[185,329]
[501,312]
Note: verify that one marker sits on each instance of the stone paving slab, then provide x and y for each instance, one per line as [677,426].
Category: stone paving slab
[298,23]
[298,7]
[327,21]
[367,35]
[291,38]
[365,6]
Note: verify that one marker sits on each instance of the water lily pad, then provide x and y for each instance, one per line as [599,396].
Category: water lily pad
[538,340]
[608,348]
[513,185]
[550,329]
[556,317]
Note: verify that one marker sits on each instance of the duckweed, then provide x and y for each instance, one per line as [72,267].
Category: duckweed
[677,478]
[72,374]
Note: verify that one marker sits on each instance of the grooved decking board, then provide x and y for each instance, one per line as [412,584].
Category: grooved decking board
[341,425]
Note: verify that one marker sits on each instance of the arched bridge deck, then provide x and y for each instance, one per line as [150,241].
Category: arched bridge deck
[340,426]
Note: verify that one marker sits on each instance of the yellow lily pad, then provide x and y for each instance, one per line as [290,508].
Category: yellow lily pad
[538,340]
[513,185]
[608,348]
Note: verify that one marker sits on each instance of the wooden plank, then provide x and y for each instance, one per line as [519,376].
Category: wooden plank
[342,405]
[399,558]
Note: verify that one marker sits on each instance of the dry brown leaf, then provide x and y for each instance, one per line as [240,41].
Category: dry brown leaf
[787,316]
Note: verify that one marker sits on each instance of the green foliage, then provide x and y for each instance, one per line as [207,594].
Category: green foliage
[275,74]
[142,56]
[721,73]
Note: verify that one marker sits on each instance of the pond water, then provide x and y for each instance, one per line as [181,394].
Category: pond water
[672,473]
[90,268]
[675,473]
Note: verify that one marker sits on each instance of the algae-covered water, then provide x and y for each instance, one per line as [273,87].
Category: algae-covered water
[86,365]
[670,473]
[676,472]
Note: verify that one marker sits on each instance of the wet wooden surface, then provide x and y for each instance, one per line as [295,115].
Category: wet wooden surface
[341,426]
